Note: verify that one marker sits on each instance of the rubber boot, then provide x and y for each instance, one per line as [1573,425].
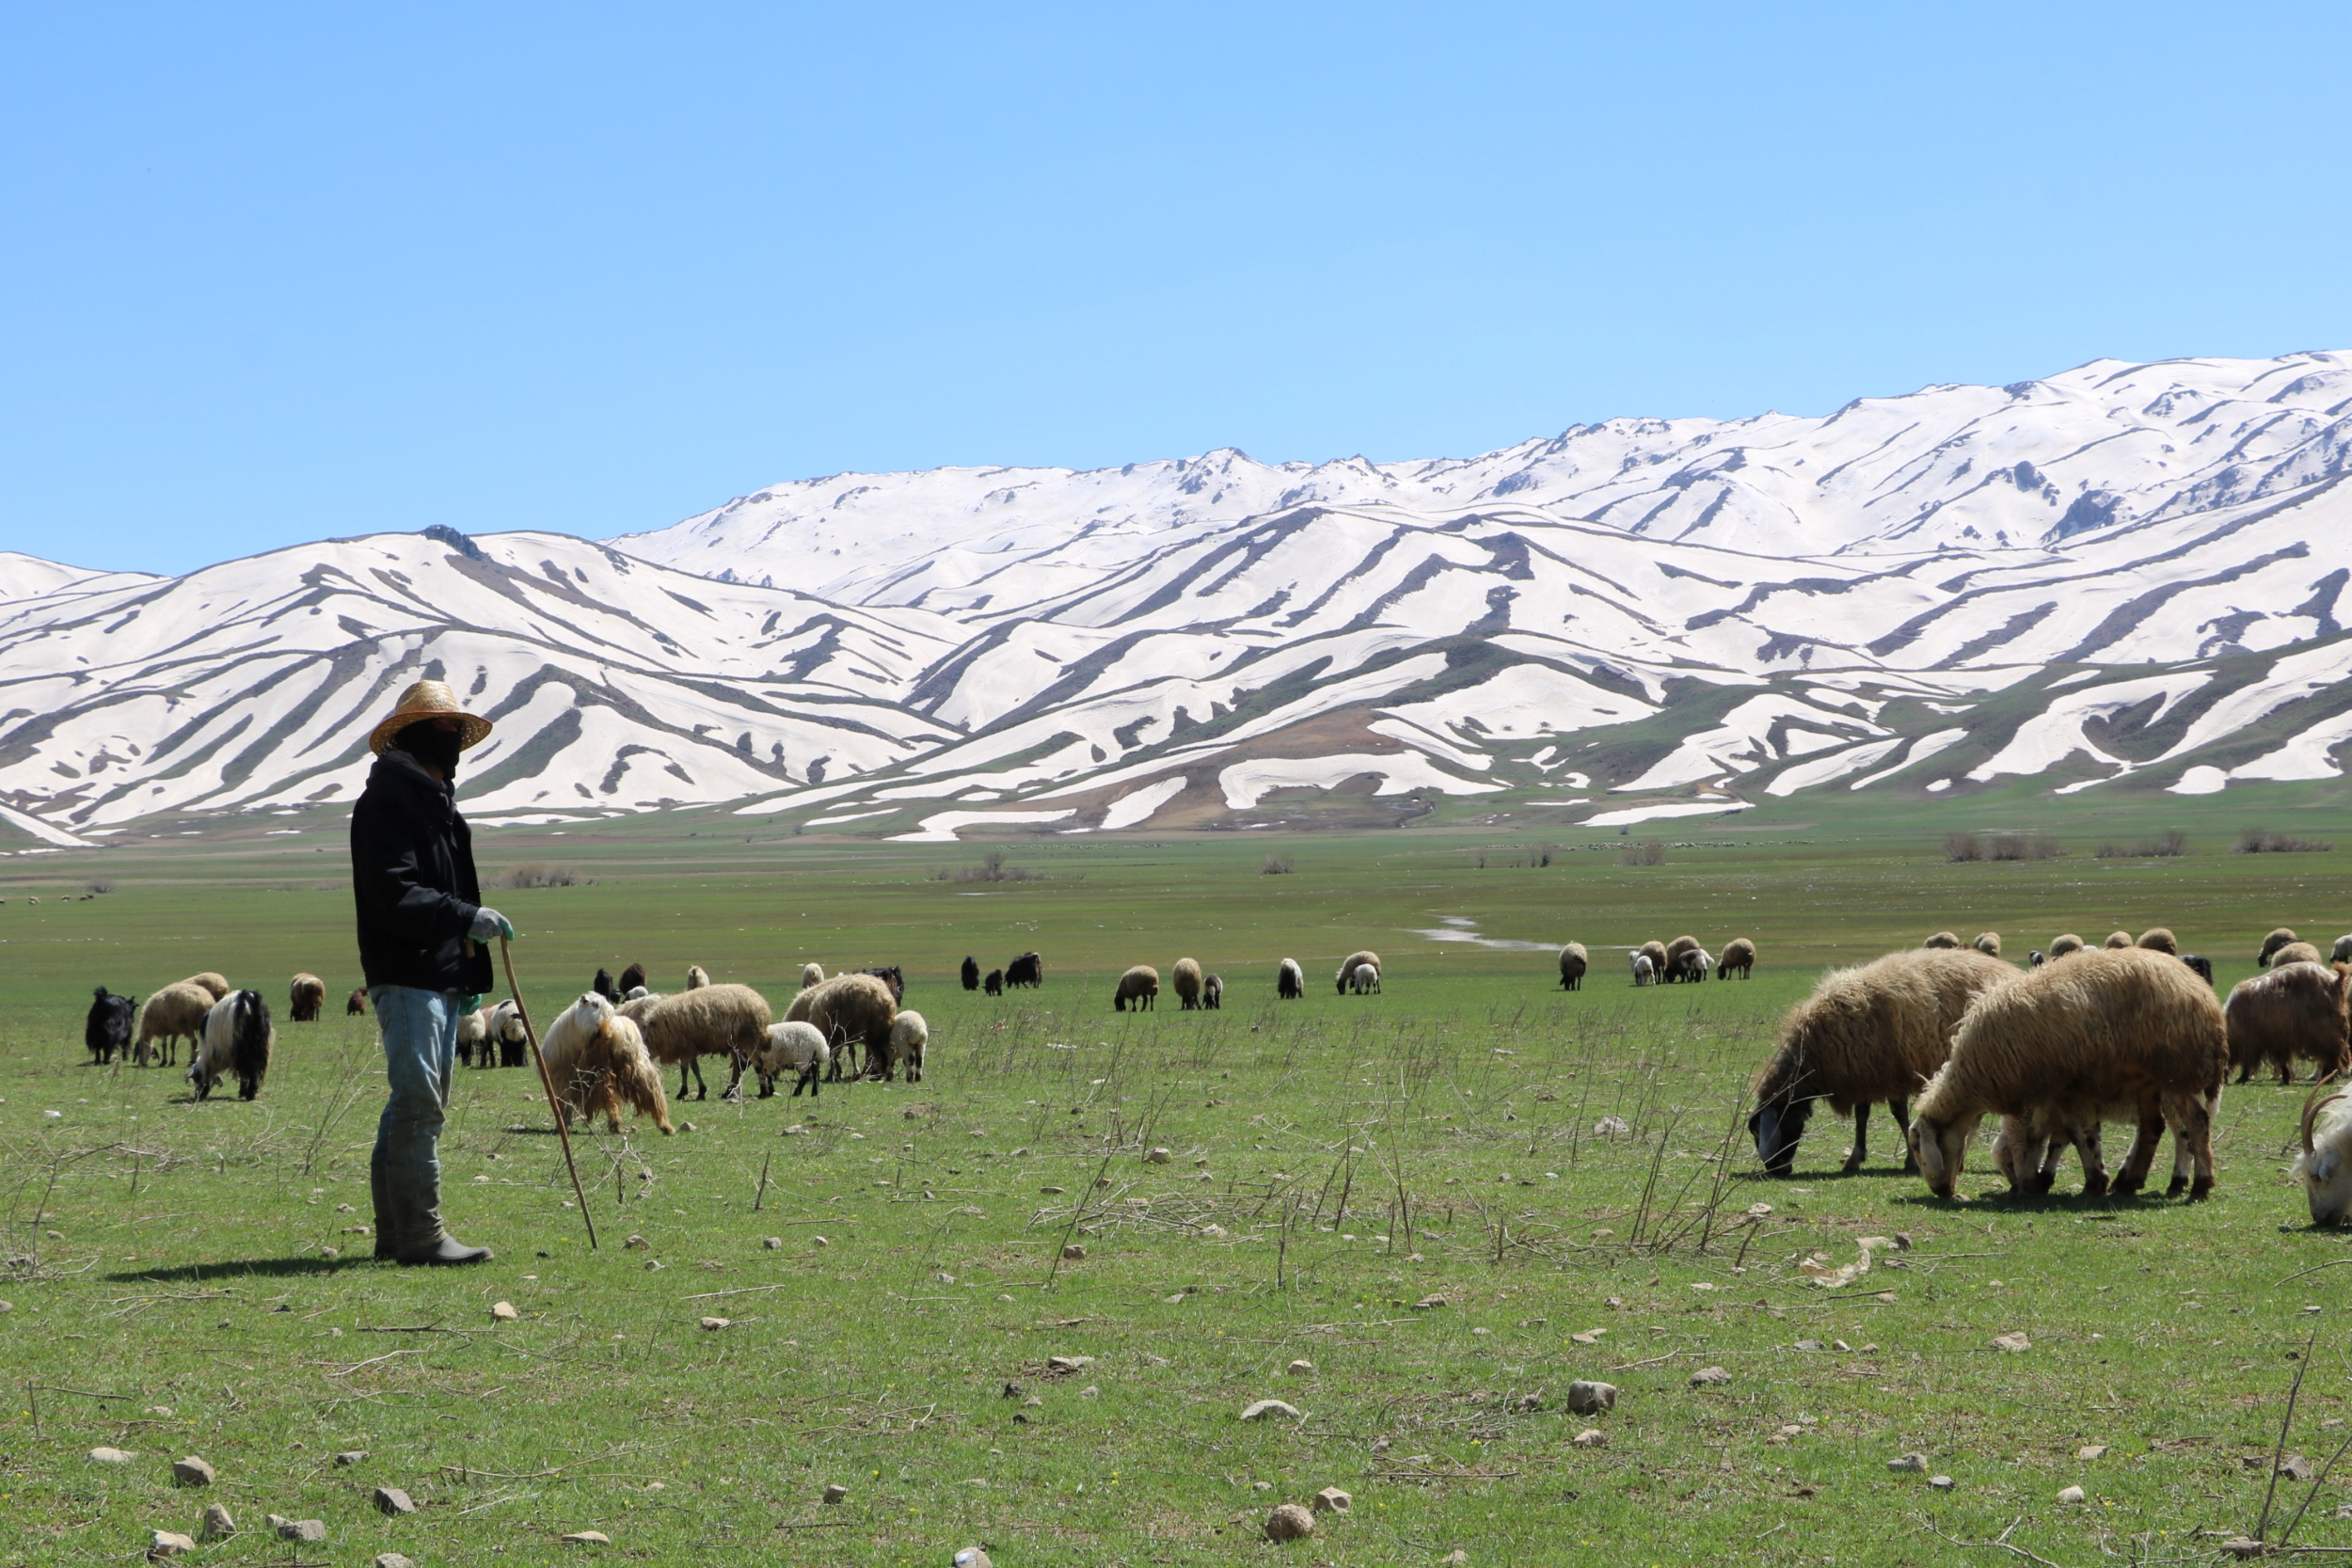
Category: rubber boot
[422,1241]
[386,1220]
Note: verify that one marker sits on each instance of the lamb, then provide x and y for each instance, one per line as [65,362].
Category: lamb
[237,1039]
[1867,1034]
[1026,970]
[1187,983]
[696,978]
[1213,993]
[356,1004]
[177,1009]
[2295,953]
[794,1047]
[598,1060]
[1656,953]
[603,985]
[1942,938]
[1290,981]
[2325,1166]
[632,978]
[971,973]
[2117,941]
[2271,945]
[996,983]
[107,1030]
[2157,938]
[812,976]
[508,1034]
[909,1036]
[2028,1149]
[1988,943]
[1691,965]
[214,985]
[1644,971]
[1740,954]
[2296,1009]
[1574,961]
[1140,986]
[715,1021]
[1365,981]
[2061,946]
[306,999]
[2202,965]
[1351,963]
[473,1036]
[2122,1025]
[854,1013]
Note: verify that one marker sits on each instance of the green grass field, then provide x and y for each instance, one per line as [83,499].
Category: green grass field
[1407,1190]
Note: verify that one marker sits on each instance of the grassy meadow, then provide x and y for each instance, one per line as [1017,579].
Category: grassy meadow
[1452,1199]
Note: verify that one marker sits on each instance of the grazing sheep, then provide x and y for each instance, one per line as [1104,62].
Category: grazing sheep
[1574,961]
[2061,946]
[2325,1166]
[1140,986]
[598,1060]
[2117,941]
[1656,953]
[971,973]
[696,978]
[1740,954]
[631,978]
[1942,938]
[306,999]
[1988,943]
[635,993]
[716,1021]
[214,986]
[1349,965]
[473,1036]
[893,977]
[2116,1026]
[1026,970]
[2201,964]
[603,986]
[1644,971]
[2036,958]
[107,1030]
[1691,965]
[1365,981]
[2271,945]
[794,1047]
[812,976]
[1290,981]
[854,1013]
[2157,938]
[356,1004]
[1672,970]
[237,1039]
[1872,1033]
[2294,1010]
[995,982]
[2028,1148]
[2295,953]
[508,1034]
[1213,992]
[909,1036]
[177,1009]
[2343,953]
[1186,979]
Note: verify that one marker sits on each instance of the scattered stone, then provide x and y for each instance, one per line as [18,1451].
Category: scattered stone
[836,1493]
[2244,1545]
[168,1542]
[1289,1522]
[390,1560]
[1456,1557]
[1909,1464]
[2089,1451]
[1591,1437]
[310,1530]
[505,1313]
[1074,1252]
[193,1471]
[1590,1337]
[1053,1192]
[2012,1344]
[1332,1500]
[1528,1405]
[1588,1399]
[1068,1363]
[1301,1368]
[1159,1156]
[1709,1376]
[392,1502]
[1902,1240]
[111,1456]
[712,1325]
[350,1457]
[218,1524]
[655,1265]
[1261,1409]
[774,1243]
[2296,1467]
[1091,1391]
[1942,1483]
[1814,1345]
[819,1241]
[637,1243]
[1425,1303]
[2071,1494]
[971,1557]
[588,1537]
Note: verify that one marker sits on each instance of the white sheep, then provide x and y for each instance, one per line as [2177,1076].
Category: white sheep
[812,976]
[1290,981]
[473,1037]
[636,994]
[696,978]
[2343,953]
[909,1036]
[2325,1166]
[1365,980]
[797,1048]
[508,1034]
[1644,971]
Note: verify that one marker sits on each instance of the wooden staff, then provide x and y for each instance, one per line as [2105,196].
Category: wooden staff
[546,1080]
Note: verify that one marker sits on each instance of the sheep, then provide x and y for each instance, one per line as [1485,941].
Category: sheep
[2295,953]
[2124,1025]
[508,1034]
[1290,981]
[1213,993]
[995,982]
[1674,969]
[2296,1009]
[854,1013]
[909,1036]
[2201,964]
[635,993]
[2157,938]
[306,999]
[1365,981]
[107,1030]
[473,1036]
[1740,954]
[356,1004]
[2343,953]
[632,978]
[597,1059]
[716,1021]
[812,976]
[1574,961]
[696,978]
[970,972]
[214,985]
[1186,980]
[2036,958]
[177,1009]
[2117,941]
[1644,973]
[237,1039]
[2062,945]
[1656,953]
[795,1047]
[895,978]
[1026,970]
[1941,940]
[1988,943]
[2271,945]
[1692,965]
[1140,985]
[1348,967]
[2325,1166]
[1867,1034]
[2028,1148]
[603,986]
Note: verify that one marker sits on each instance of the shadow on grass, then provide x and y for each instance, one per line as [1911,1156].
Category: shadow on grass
[266,1268]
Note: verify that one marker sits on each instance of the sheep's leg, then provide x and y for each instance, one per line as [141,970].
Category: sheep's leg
[2191,1118]
[1861,1138]
[2087,1138]
[734,1080]
[1900,1108]
[702,1089]
[767,1085]
[2143,1153]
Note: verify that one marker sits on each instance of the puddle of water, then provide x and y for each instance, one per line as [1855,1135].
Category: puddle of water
[1462,929]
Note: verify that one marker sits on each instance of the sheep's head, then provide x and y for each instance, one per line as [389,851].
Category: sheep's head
[1941,1151]
[2323,1167]
[1776,1127]
[596,1011]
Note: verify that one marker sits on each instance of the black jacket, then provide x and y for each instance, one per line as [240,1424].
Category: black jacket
[412,876]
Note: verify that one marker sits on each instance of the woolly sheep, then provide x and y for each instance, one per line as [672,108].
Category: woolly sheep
[2293,1009]
[1213,992]
[854,1013]
[909,1036]
[1351,963]
[177,1009]
[1644,971]
[1139,987]
[2157,938]
[107,1030]
[2343,953]
[2036,958]
[716,1021]
[2061,946]
[1574,961]
[970,972]
[2325,1166]
[356,1004]
[632,978]
[2271,945]
[1689,965]
[305,998]
[2028,1148]
[1026,970]
[598,1060]
[1988,943]
[2118,940]
[794,1047]
[1942,938]
[635,993]
[1187,981]
[1290,981]
[1656,953]
[2295,953]
[1365,981]
[1672,968]
[237,1039]
[473,1036]
[1872,1033]
[995,982]
[2121,1025]
[1740,954]
[812,976]
[213,985]
[696,978]
[2202,965]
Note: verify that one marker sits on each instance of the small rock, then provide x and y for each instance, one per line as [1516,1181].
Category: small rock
[1425,1303]
[350,1457]
[2071,1494]
[587,1537]
[1074,1252]
[193,1471]
[836,1493]
[218,1524]
[2012,1343]
[637,1243]
[310,1530]
[655,1265]
[1591,1437]
[1902,1240]
[971,1557]
[1709,1376]
[1587,1398]
[505,1313]
[1261,1409]
[392,1500]
[111,1456]
[1332,1500]
[1456,1557]
[819,1241]
[1811,1345]
[390,1560]
[1289,1522]
[2296,1467]
[774,1243]
[2244,1545]
[1942,1483]
[1528,1405]
[712,1325]
[1159,1156]
[2089,1451]
[1068,1363]
[1301,1368]
[1909,1464]
[168,1542]
[1091,1391]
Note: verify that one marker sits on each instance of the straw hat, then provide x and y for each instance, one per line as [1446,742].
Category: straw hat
[428,700]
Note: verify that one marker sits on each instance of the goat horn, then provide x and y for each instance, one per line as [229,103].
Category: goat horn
[2312,1106]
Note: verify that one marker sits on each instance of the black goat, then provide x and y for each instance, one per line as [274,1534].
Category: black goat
[1026,970]
[108,1030]
[995,982]
[602,985]
[237,1039]
[894,980]
[970,972]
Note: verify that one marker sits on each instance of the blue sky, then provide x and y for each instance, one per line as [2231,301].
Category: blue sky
[272,274]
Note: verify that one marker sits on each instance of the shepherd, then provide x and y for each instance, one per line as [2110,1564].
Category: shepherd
[424,932]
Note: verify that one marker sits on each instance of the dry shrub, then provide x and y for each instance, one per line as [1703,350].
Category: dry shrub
[540,874]
[993,868]
[1276,865]
[2255,841]
[2001,847]
[1650,851]
[2174,844]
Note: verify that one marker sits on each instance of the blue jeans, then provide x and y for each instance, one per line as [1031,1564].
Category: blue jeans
[420,1030]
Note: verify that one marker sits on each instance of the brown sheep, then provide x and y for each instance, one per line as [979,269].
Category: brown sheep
[1139,987]
[2296,1009]
[1941,940]
[356,1004]
[2296,953]
[2028,1148]
[1869,1033]
[214,986]
[1740,954]
[2158,939]
[1674,950]
[1186,979]
[177,1009]
[854,1013]
[2117,941]
[2115,1026]
[2061,946]
[1354,961]
[717,1021]
[597,1061]
[307,999]
[2271,945]
[1988,943]
[1656,953]
[1573,963]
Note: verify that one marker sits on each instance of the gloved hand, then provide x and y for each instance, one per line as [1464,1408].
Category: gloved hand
[473,1002]
[488,923]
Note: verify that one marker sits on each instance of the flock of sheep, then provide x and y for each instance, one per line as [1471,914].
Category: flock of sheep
[229,1032]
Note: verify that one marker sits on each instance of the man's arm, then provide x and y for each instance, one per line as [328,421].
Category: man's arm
[384,877]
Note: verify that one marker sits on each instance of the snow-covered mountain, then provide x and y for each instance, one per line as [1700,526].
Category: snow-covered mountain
[2126,576]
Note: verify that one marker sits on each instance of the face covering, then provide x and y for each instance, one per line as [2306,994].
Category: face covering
[433,746]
